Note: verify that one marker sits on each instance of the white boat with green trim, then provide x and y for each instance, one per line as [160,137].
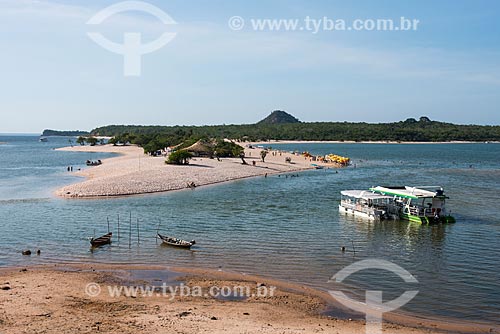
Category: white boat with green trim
[424,205]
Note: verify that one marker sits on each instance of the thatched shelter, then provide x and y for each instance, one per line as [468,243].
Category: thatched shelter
[200,149]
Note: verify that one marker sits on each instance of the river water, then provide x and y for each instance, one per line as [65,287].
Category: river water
[287,228]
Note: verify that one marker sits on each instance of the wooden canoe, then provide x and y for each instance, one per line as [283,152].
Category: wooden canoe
[103,240]
[171,241]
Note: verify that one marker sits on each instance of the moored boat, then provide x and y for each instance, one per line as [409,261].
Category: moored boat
[365,204]
[93,163]
[171,241]
[425,205]
[102,240]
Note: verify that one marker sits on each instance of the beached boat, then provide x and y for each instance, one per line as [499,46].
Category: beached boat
[93,163]
[103,240]
[424,205]
[171,241]
[366,204]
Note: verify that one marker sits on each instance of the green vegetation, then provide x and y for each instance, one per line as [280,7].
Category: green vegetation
[225,149]
[92,141]
[153,138]
[47,133]
[180,157]
[81,140]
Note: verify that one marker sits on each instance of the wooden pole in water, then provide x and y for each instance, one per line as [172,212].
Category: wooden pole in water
[138,239]
[118,227]
[130,231]
[107,219]
[157,231]
[353,249]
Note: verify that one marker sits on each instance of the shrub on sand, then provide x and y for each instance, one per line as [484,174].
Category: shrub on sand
[180,157]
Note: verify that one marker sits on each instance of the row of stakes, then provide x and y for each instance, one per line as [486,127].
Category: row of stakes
[28,252]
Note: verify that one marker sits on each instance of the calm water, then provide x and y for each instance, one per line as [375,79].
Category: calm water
[287,228]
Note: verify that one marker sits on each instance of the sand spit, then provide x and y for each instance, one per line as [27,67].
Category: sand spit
[132,172]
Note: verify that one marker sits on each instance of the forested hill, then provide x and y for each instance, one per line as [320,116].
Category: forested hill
[48,133]
[279,117]
[424,130]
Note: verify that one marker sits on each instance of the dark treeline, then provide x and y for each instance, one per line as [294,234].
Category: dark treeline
[48,133]
[425,130]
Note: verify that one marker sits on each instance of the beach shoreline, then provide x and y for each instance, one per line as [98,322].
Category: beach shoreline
[132,172]
[30,300]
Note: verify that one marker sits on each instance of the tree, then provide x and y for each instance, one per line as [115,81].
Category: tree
[180,157]
[226,149]
[113,141]
[242,157]
[81,140]
[92,141]
[263,155]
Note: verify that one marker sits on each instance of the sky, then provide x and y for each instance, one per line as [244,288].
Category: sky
[53,75]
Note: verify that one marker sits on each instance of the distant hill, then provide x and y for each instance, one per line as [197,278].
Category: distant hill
[47,133]
[279,117]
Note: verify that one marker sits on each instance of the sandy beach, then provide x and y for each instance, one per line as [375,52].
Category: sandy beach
[31,302]
[132,172]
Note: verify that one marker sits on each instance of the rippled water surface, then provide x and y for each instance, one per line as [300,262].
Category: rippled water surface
[287,228]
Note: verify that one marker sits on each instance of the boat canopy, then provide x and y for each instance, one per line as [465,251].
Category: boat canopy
[409,192]
[363,194]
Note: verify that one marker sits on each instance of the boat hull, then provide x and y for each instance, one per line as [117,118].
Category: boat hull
[352,212]
[427,220]
[101,241]
[176,245]
[174,242]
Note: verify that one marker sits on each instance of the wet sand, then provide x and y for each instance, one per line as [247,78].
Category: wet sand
[53,299]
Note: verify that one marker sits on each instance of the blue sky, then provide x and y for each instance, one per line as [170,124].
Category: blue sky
[55,76]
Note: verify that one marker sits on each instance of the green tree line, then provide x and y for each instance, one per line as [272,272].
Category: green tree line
[157,137]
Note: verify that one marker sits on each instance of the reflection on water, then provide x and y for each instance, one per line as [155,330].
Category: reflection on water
[285,228]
